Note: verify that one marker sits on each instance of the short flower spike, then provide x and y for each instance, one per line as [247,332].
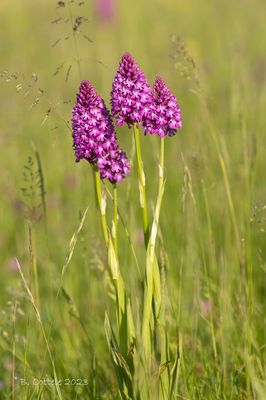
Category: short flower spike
[164,116]
[131,94]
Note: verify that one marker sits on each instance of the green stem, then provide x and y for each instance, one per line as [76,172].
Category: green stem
[119,284]
[114,227]
[155,224]
[153,284]
[161,174]
[101,204]
[142,187]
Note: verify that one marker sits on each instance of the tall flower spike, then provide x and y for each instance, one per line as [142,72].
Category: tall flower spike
[131,94]
[164,116]
[94,136]
[93,131]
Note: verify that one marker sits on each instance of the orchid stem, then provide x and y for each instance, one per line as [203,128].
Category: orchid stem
[153,291]
[101,204]
[115,218]
[142,186]
[161,167]
[118,281]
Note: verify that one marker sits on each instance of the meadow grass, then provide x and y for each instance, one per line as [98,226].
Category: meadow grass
[56,289]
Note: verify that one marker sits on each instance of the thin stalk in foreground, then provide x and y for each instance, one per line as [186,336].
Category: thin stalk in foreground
[39,319]
[142,186]
[225,177]
[14,349]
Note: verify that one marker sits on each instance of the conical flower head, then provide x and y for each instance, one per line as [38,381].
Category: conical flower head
[94,137]
[131,95]
[164,116]
[92,129]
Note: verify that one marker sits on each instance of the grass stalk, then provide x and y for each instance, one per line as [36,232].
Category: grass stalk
[225,177]
[39,319]
[74,37]
[14,349]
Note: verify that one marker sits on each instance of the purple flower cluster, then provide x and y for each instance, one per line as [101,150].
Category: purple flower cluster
[94,137]
[164,116]
[114,165]
[131,94]
[132,101]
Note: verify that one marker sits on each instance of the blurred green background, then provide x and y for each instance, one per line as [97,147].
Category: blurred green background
[219,79]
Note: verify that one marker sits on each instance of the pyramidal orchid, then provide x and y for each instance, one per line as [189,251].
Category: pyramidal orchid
[164,116]
[131,94]
[94,137]
[94,140]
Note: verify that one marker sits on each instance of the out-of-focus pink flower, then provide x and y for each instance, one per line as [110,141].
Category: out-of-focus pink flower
[12,264]
[206,307]
[106,10]
[70,181]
